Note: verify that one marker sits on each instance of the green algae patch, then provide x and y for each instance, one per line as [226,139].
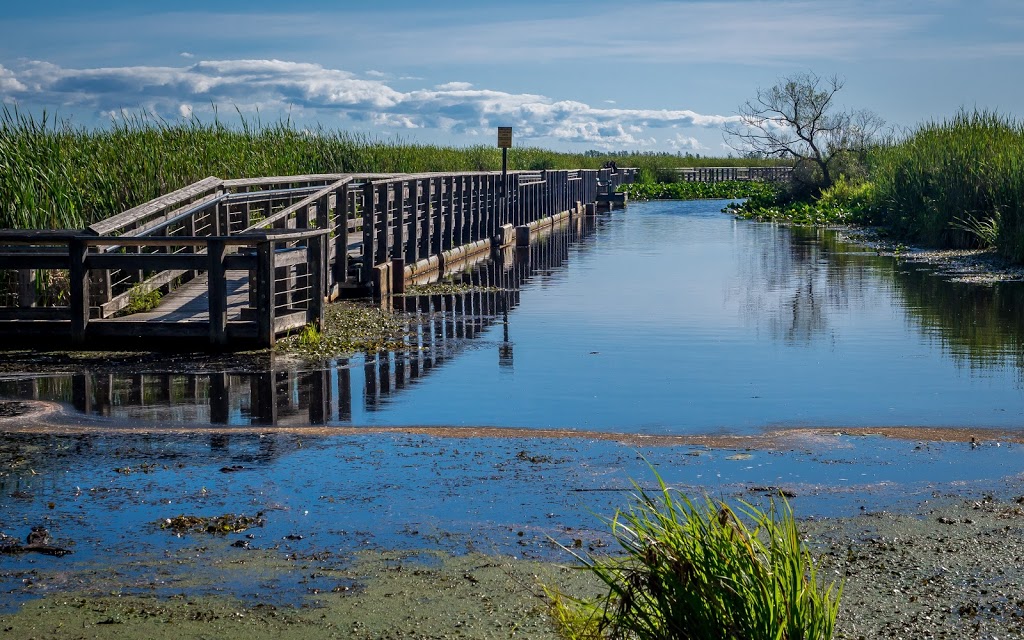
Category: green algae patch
[227,523]
[376,595]
[350,327]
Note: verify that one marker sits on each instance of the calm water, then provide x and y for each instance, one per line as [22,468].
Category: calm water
[669,317]
[666,318]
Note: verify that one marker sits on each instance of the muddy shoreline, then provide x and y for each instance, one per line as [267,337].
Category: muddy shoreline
[951,568]
[433,533]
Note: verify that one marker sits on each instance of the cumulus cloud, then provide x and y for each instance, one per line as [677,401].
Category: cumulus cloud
[9,83]
[186,54]
[319,92]
[685,143]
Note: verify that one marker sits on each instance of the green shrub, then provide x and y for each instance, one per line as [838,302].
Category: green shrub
[704,571]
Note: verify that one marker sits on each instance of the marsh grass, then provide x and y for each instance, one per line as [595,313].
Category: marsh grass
[956,183]
[703,570]
[54,175]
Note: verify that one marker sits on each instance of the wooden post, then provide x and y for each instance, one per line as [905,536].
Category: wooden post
[401,220]
[437,212]
[79,284]
[265,293]
[383,211]
[448,232]
[397,276]
[316,258]
[217,291]
[26,288]
[412,249]
[341,214]
[458,212]
[369,232]
[425,221]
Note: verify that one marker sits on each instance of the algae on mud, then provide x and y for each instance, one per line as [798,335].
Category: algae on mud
[377,595]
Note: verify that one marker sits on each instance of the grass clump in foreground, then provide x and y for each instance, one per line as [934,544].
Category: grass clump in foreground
[703,571]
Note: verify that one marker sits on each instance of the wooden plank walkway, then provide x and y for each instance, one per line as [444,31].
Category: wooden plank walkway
[191,302]
[240,262]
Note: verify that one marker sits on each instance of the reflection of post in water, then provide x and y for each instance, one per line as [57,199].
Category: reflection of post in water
[81,392]
[262,398]
[315,393]
[220,398]
[344,391]
[505,348]
[372,387]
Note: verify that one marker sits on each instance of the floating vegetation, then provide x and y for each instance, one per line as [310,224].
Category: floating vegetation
[349,327]
[699,190]
[227,523]
[446,288]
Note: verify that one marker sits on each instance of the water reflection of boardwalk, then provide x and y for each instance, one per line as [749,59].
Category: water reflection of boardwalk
[266,393]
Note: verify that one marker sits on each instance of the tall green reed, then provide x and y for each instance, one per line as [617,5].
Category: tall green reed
[956,183]
[703,570]
[56,175]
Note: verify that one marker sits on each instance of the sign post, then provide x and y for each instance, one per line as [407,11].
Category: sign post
[504,142]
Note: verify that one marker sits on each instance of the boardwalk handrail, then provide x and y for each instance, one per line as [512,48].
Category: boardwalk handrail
[312,235]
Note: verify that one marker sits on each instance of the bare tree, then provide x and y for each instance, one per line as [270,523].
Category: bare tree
[798,118]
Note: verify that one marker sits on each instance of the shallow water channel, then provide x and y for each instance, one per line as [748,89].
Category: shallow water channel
[669,318]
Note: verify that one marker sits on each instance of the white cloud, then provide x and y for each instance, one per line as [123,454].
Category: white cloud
[685,143]
[373,73]
[187,55]
[317,92]
[454,86]
[9,83]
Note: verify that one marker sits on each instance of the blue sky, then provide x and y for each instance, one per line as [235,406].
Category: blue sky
[660,76]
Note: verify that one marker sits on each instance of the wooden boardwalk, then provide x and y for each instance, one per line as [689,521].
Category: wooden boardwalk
[240,262]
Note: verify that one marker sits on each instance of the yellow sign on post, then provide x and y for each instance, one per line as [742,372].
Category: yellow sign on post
[504,137]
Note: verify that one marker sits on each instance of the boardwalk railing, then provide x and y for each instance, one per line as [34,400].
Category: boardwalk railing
[721,174]
[291,241]
[265,392]
[283,270]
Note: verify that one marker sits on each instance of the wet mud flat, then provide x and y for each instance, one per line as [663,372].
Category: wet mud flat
[453,533]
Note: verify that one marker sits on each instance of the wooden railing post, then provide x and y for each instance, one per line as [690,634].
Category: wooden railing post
[79,284]
[369,232]
[265,293]
[26,288]
[217,290]
[316,258]
[401,220]
[341,215]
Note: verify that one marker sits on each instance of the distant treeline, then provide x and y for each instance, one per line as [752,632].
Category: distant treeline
[56,175]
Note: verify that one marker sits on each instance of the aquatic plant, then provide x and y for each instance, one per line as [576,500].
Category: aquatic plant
[141,299]
[955,183]
[698,190]
[349,327]
[703,570]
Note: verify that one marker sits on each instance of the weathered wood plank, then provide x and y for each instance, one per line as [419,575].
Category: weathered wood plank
[127,218]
